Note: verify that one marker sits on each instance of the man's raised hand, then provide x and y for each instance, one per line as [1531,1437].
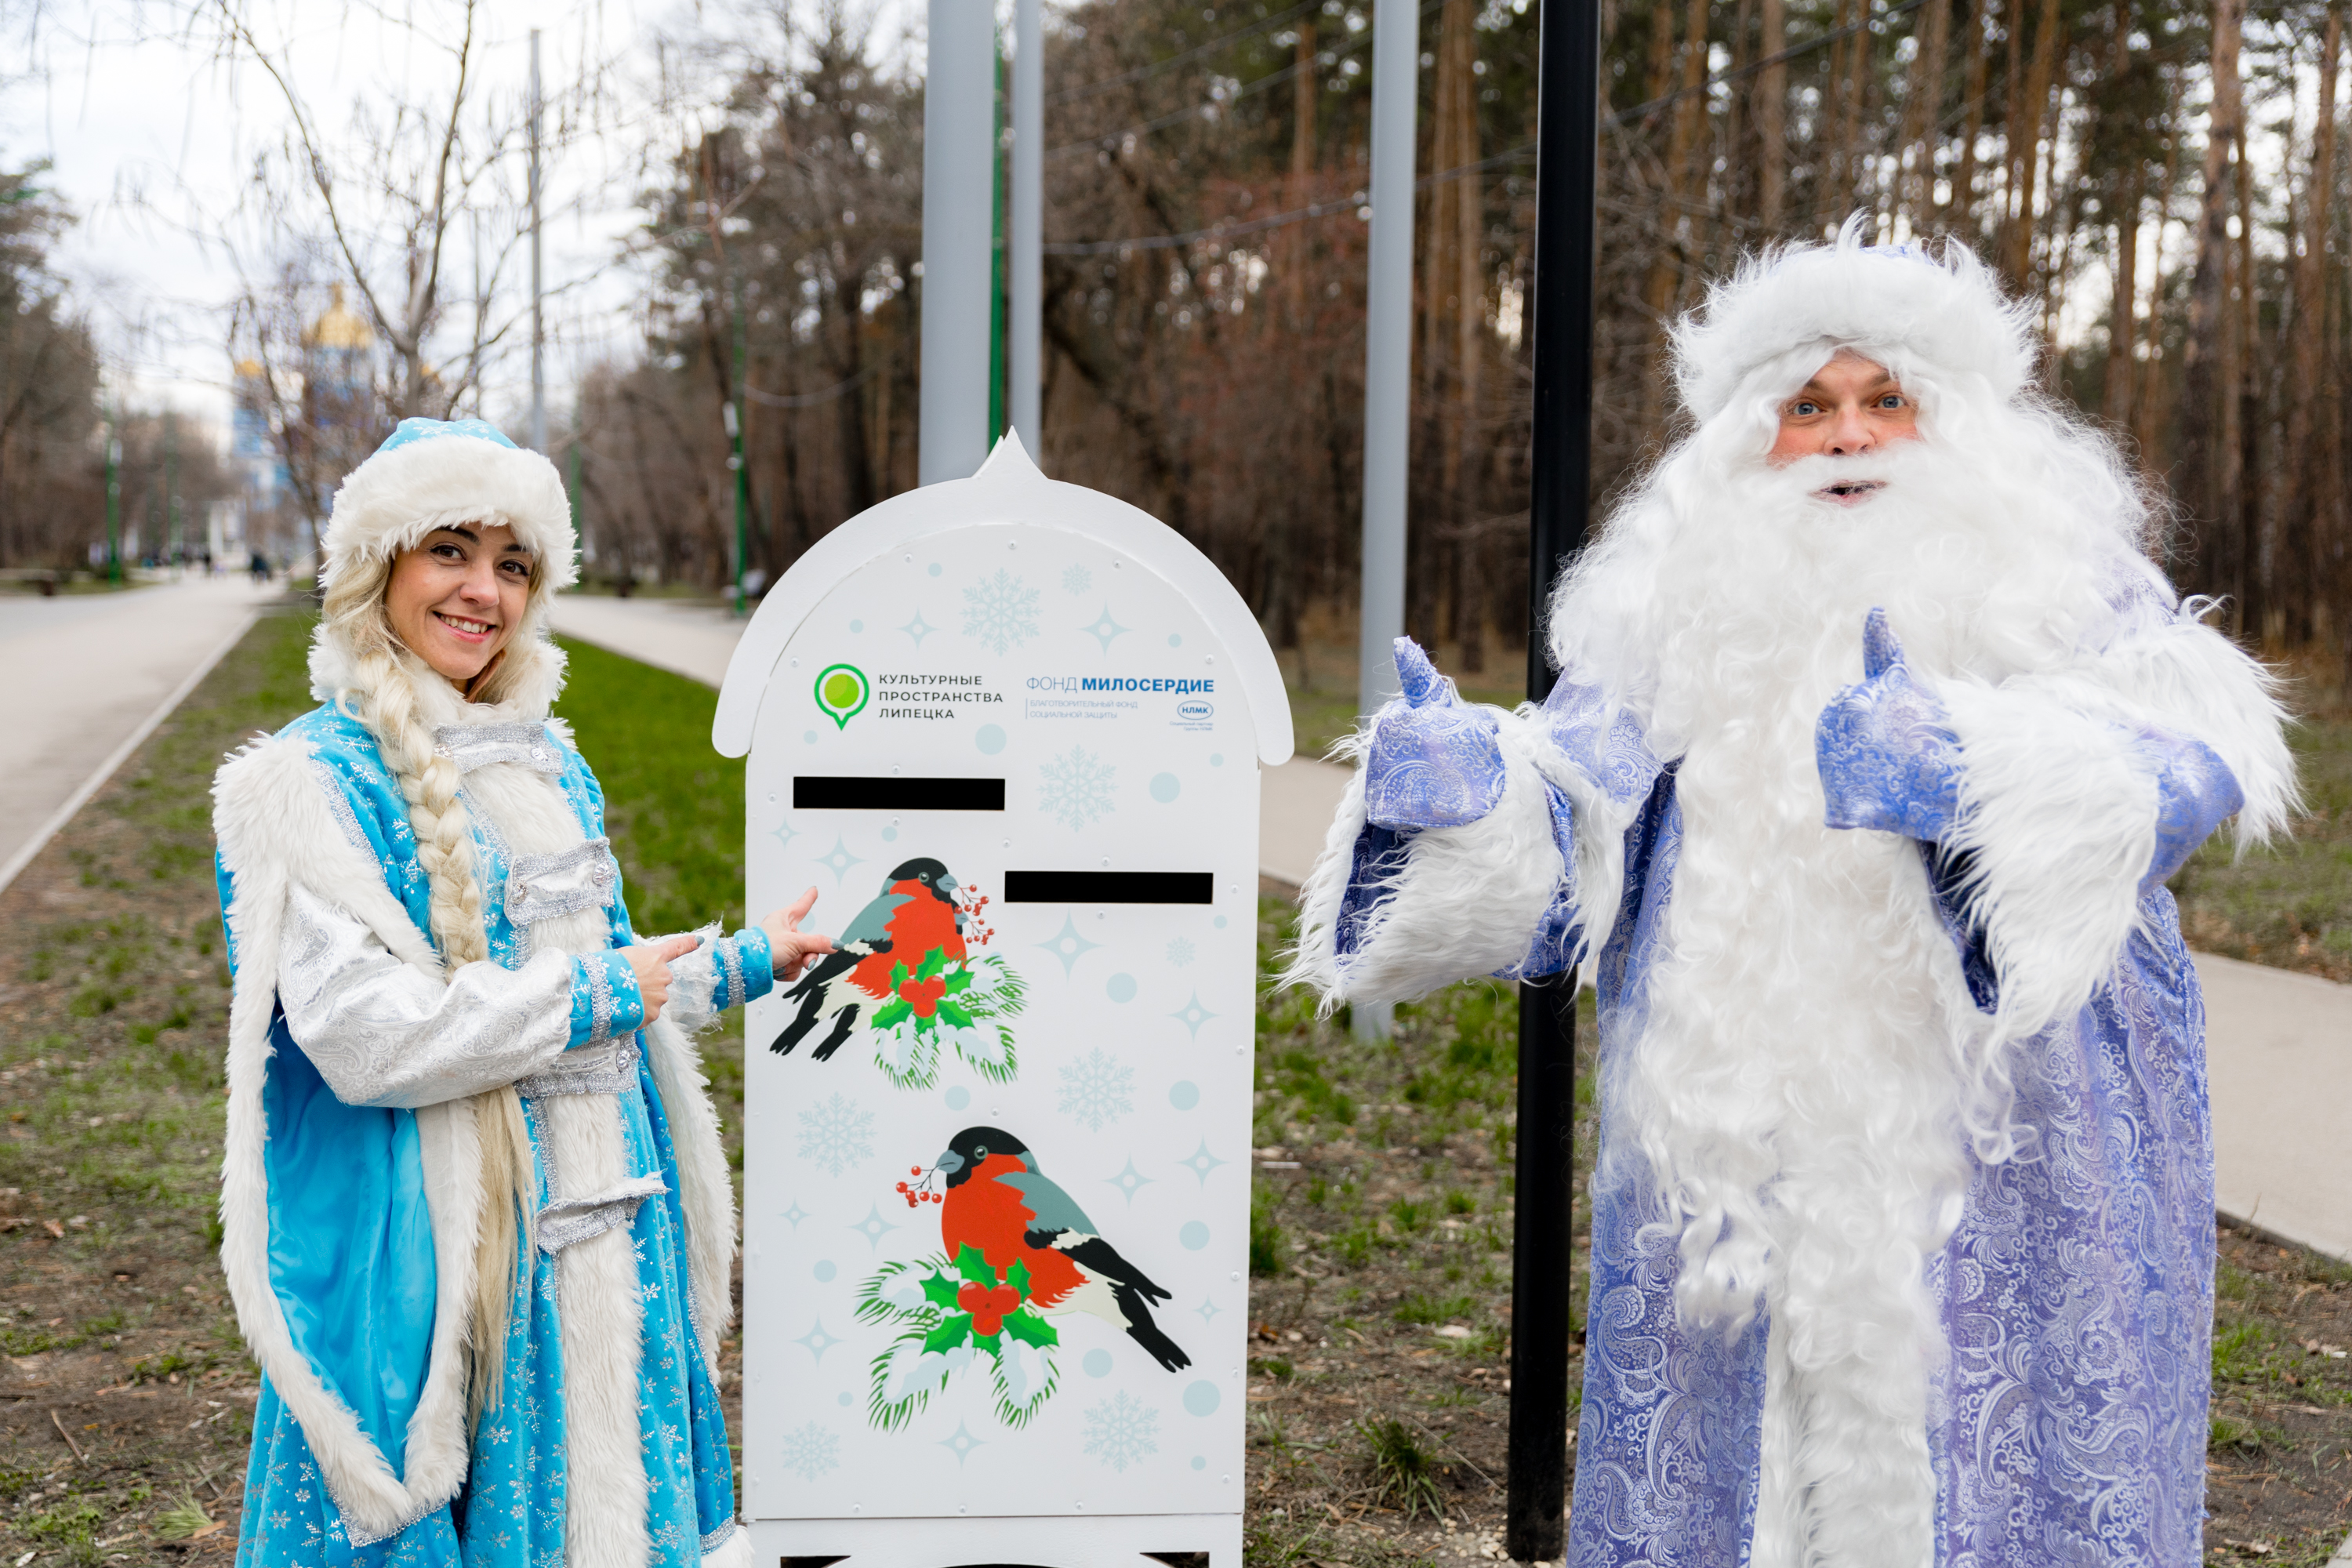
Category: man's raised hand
[1887,759]
[1434,761]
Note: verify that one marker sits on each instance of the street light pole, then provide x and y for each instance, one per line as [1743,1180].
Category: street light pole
[1568,118]
[113,500]
[1387,377]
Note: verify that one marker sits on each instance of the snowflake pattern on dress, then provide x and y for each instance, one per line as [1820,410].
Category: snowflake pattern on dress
[1095,1089]
[810,1451]
[1076,788]
[1122,1431]
[1076,580]
[1001,611]
[837,1134]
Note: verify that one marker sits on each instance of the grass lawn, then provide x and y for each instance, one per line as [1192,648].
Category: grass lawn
[1380,1243]
[2289,904]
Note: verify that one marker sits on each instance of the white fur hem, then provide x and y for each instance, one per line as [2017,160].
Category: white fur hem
[706,1191]
[276,827]
[1466,903]
[733,1552]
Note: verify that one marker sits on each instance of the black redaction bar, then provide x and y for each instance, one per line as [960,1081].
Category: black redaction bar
[1108,886]
[842,792]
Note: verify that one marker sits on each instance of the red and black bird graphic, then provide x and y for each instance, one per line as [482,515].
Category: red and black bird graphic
[916,912]
[1000,1202]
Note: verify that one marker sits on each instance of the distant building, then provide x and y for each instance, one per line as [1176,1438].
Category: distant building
[334,423]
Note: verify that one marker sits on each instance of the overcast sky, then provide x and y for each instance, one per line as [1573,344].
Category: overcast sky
[154,134]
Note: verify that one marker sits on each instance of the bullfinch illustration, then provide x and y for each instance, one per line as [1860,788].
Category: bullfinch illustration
[999,1201]
[915,912]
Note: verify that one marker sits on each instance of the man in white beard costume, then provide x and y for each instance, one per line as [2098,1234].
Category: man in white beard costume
[1855,799]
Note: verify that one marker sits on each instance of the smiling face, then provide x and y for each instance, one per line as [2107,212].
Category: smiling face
[1851,406]
[455,599]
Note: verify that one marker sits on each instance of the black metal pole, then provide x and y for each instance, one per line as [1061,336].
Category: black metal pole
[1568,118]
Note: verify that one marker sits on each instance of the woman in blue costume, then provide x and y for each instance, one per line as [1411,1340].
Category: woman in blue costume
[476,1216]
[1876,734]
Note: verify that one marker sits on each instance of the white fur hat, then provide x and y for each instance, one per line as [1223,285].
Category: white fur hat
[432,473]
[1948,315]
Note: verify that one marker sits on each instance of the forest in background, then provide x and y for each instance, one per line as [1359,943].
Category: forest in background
[2163,178]
[1205,275]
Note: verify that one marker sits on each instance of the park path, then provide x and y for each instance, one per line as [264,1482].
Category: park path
[2278,1044]
[89,675]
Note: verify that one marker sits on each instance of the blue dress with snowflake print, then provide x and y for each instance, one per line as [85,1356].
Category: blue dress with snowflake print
[512,1509]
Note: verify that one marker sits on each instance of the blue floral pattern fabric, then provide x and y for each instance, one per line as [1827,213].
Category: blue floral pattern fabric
[2195,794]
[512,1509]
[1887,757]
[1435,762]
[2069,1425]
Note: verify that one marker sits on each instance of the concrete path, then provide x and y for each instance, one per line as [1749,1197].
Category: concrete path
[2279,1052]
[90,676]
[2279,1043]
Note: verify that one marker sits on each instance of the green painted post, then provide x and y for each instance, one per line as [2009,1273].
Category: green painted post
[171,485]
[996,265]
[735,461]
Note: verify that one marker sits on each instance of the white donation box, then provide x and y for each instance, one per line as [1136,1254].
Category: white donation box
[996,1151]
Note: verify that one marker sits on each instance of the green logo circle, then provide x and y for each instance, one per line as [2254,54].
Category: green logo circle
[841,691]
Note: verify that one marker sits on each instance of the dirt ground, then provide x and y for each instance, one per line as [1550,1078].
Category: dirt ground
[1380,1243]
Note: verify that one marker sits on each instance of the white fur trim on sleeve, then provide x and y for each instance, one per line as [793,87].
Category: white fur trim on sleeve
[694,983]
[1467,903]
[2060,814]
[2061,824]
[277,825]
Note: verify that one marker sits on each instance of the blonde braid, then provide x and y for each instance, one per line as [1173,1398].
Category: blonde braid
[353,613]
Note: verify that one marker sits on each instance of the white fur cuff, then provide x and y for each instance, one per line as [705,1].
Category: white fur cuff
[2059,821]
[1466,901]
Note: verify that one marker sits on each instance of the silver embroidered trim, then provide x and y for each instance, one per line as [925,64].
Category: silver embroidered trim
[340,805]
[600,998]
[731,957]
[610,1071]
[567,1221]
[542,887]
[472,746]
[717,1538]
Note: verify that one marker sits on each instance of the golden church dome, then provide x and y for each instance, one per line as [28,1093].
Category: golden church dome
[339,327]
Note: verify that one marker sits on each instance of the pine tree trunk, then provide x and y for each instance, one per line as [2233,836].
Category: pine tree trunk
[1964,178]
[2209,391]
[1771,115]
[2308,500]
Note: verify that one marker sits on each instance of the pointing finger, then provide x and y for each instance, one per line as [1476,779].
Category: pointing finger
[671,947]
[801,907]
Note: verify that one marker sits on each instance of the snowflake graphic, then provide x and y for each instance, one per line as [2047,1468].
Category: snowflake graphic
[1001,611]
[1095,1089]
[1076,788]
[811,1450]
[837,1134]
[1122,1431]
[1076,580]
[1179,953]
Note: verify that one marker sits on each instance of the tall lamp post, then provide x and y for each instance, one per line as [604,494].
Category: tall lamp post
[1568,118]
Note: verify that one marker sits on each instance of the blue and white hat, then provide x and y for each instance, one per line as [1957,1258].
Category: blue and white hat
[434,473]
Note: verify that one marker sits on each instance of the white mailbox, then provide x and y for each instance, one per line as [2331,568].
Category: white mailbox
[997,1162]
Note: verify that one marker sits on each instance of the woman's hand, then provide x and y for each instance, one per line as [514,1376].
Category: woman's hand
[650,963]
[792,947]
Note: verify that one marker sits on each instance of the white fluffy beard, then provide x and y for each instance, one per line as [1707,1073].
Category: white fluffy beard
[1798,1086]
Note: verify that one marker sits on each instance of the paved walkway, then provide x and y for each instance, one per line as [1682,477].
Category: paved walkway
[2279,1043]
[89,676]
